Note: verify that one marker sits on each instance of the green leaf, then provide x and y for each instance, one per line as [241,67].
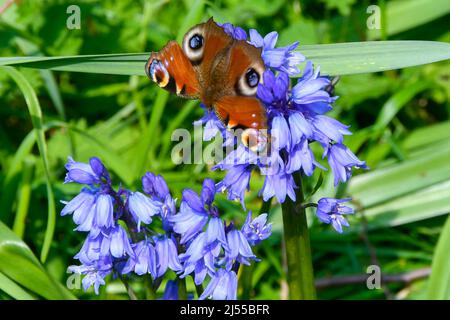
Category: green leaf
[439,284]
[333,59]
[13,289]
[374,56]
[399,179]
[23,197]
[18,263]
[35,112]
[423,137]
[416,206]
[418,12]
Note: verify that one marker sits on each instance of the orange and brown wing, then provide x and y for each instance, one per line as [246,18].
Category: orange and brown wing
[240,111]
[240,107]
[171,70]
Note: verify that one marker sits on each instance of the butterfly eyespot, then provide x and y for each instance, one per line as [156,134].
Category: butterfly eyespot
[252,78]
[193,44]
[158,73]
[196,42]
[248,83]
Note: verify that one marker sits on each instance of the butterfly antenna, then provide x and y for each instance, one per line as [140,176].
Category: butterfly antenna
[330,88]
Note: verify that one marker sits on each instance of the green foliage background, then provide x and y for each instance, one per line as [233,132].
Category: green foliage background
[400,121]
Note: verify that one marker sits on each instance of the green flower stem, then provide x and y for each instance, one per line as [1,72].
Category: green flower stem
[298,250]
[182,291]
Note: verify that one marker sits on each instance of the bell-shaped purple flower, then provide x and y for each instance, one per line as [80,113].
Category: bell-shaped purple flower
[194,211]
[238,249]
[310,88]
[155,186]
[167,255]
[90,251]
[81,206]
[234,31]
[99,169]
[202,253]
[94,273]
[279,185]
[142,208]
[143,261]
[104,211]
[280,132]
[331,128]
[331,210]
[283,59]
[237,182]
[223,286]
[257,229]
[116,243]
[342,160]
[301,157]
[80,173]
[300,127]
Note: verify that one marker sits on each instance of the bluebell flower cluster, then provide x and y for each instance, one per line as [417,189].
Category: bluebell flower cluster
[297,118]
[332,211]
[195,240]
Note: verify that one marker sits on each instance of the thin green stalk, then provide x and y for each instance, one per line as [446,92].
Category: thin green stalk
[34,109]
[23,198]
[298,251]
[199,289]
[150,292]
[182,291]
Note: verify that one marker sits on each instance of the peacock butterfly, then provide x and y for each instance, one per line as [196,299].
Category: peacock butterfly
[221,71]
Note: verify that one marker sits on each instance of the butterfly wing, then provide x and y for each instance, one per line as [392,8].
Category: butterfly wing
[239,105]
[171,70]
[239,111]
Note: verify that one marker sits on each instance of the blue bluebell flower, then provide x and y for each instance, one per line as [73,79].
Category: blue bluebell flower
[80,173]
[239,249]
[81,206]
[194,211]
[167,255]
[234,31]
[94,273]
[342,160]
[236,182]
[310,91]
[103,211]
[223,286]
[257,229]
[279,185]
[283,59]
[143,261]
[155,186]
[331,210]
[142,208]
[117,243]
[90,251]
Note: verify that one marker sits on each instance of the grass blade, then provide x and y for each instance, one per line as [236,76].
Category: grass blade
[439,284]
[31,274]
[13,289]
[333,59]
[35,112]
